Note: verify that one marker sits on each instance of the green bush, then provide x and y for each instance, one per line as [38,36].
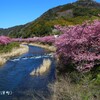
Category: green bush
[8,47]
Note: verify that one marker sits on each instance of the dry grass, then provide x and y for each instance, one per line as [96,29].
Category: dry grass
[45,46]
[15,52]
[43,68]
[2,61]
[64,89]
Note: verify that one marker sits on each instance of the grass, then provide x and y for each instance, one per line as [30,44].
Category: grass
[13,49]
[47,47]
[8,47]
[76,86]
[43,68]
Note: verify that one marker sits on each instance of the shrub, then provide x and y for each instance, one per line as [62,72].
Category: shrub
[8,47]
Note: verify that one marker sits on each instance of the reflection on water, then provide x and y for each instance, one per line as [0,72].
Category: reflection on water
[15,76]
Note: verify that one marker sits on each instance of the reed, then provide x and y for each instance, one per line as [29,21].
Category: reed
[15,52]
[44,67]
[65,88]
[2,61]
[47,47]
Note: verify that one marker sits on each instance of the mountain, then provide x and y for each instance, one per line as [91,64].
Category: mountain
[68,14]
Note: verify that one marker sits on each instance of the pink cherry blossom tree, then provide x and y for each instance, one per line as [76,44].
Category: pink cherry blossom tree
[4,40]
[79,45]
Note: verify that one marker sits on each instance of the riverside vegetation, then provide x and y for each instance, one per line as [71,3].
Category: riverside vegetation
[10,49]
[78,50]
[42,68]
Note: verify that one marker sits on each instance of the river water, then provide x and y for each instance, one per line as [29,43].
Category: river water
[16,83]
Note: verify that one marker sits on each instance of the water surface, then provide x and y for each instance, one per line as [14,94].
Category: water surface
[15,76]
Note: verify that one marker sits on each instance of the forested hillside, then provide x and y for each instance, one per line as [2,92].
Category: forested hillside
[68,14]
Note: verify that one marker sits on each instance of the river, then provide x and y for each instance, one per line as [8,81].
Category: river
[16,83]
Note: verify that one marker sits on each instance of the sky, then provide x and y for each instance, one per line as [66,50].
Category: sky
[19,12]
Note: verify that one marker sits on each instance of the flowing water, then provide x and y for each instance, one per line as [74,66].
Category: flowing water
[16,83]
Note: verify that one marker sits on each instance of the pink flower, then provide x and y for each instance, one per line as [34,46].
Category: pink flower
[4,40]
[80,45]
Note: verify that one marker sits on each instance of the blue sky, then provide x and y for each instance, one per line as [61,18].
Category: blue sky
[18,12]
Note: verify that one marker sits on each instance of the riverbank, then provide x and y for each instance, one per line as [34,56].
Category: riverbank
[49,48]
[78,88]
[15,52]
